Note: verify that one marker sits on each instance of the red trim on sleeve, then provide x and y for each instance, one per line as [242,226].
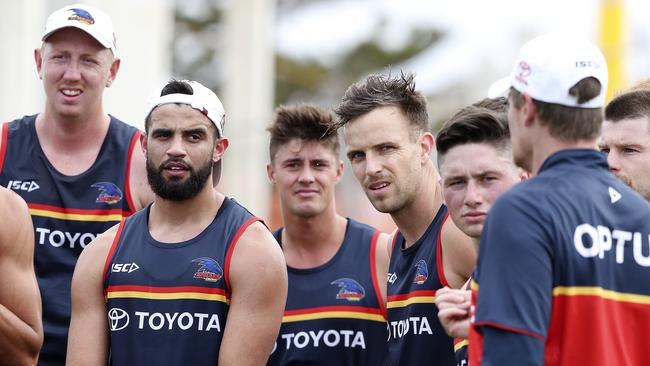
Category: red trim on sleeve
[127,177]
[373,273]
[3,148]
[392,244]
[510,329]
[441,270]
[233,243]
[111,252]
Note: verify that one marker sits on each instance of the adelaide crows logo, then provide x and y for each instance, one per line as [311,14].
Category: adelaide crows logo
[421,272]
[81,16]
[350,290]
[209,269]
[108,193]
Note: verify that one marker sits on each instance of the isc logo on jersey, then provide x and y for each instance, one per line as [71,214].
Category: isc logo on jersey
[124,267]
[119,319]
[23,185]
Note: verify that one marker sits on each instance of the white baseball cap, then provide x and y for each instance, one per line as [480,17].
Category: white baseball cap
[549,65]
[90,20]
[203,100]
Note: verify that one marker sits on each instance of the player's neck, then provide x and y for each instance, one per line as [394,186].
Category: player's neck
[177,221]
[414,219]
[311,242]
[546,145]
[72,133]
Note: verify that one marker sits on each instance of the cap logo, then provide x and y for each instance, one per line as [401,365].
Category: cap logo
[587,64]
[523,71]
[81,15]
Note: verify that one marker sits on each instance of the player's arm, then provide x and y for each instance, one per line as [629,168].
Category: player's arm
[381,263]
[88,339]
[453,311]
[501,347]
[515,280]
[141,192]
[258,282]
[21,330]
[458,255]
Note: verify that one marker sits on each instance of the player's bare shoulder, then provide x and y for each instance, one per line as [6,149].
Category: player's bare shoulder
[14,214]
[94,255]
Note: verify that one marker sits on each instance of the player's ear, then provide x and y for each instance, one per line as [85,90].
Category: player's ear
[143,143]
[115,66]
[270,172]
[38,59]
[339,171]
[529,110]
[220,147]
[427,143]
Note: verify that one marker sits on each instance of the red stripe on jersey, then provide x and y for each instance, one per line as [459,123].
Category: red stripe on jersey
[441,270]
[166,290]
[127,176]
[322,309]
[231,249]
[111,252]
[592,330]
[373,273]
[411,294]
[3,147]
[78,211]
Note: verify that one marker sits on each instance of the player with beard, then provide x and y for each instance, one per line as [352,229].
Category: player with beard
[193,279]
[625,138]
[336,265]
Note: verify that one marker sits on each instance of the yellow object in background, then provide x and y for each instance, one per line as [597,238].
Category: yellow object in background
[612,43]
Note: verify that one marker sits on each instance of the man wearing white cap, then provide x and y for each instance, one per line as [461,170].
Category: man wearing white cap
[193,279]
[563,266]
[79,170]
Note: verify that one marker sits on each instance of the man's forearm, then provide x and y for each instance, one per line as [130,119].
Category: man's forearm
[20,343]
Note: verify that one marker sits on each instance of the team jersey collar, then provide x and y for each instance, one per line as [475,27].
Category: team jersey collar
[576,157]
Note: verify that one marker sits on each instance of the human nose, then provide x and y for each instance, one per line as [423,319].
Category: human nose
[176,147]
[306,175]
[473,196]
[613,161]
[72,71]
[373,165]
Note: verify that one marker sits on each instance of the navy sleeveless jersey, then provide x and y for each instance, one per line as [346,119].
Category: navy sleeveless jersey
[335,314]
[167,304]
[67,212]
[416,336]
[565,260]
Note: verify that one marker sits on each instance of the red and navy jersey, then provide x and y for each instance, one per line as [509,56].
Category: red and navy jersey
[564,264]
[167,304]
[415,335]
[67,212]
[335,314]
[461,344]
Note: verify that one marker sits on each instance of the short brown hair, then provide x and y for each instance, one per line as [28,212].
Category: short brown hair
[569,123]
[482,122]
[305,122]
[634,104]
[384,90]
